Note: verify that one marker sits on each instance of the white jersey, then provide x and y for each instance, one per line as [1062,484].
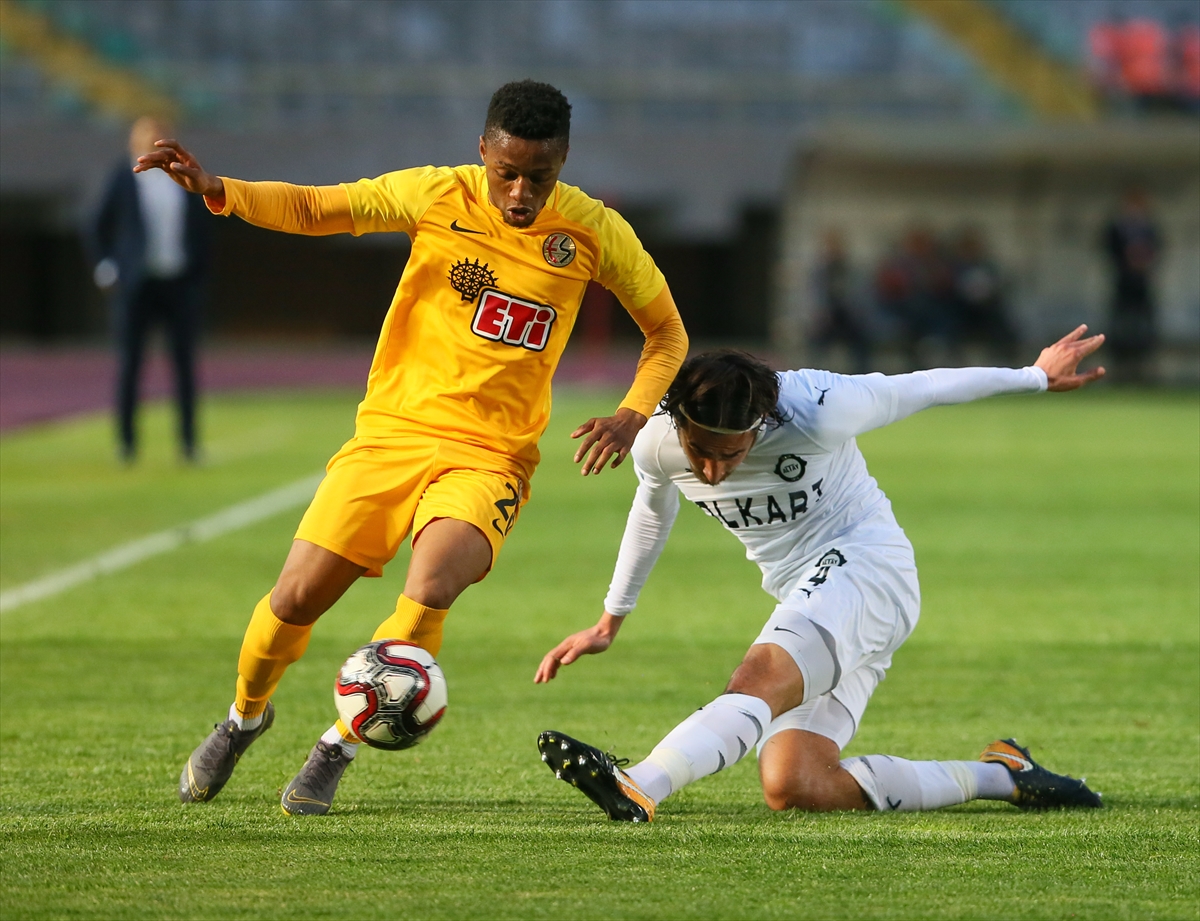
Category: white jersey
[804,485]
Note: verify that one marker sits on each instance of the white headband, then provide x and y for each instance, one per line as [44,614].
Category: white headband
[717,430]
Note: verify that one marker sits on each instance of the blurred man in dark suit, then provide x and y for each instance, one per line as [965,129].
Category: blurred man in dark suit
[150,242]
[1133,245]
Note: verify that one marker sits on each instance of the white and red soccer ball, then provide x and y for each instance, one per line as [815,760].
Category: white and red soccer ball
[391,694]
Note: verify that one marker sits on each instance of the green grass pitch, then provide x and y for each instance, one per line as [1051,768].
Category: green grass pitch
[1057,539]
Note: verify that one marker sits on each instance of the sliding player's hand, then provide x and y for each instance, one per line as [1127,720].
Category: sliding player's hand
[608,437]
[584,643]
[1060,360]
[181,166]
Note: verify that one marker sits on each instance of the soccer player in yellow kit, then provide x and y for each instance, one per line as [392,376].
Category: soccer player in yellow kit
[458,394]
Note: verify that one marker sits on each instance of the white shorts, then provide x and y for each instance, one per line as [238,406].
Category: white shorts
[850,610]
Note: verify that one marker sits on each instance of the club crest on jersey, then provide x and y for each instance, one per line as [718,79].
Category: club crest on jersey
[469,278]
[831,559]
[790,467]
[505,318]
[559,250]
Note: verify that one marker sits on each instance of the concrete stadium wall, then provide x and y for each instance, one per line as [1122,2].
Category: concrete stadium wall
[1040,196]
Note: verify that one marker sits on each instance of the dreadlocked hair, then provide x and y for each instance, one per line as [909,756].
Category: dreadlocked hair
[531,111]
[724,388]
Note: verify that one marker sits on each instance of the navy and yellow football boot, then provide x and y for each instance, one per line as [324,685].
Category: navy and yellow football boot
[1038,788]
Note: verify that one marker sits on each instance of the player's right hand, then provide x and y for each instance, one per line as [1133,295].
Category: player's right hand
[584,643]
[1061,360]
[176,162]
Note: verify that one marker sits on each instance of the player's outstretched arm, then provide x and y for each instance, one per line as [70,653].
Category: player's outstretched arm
[176,162]
[309,210]
[1061,360]
[584,643]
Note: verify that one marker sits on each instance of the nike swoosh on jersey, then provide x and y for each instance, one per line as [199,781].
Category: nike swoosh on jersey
[454,226]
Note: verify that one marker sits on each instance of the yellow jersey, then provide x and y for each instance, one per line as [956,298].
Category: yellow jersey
[483,309]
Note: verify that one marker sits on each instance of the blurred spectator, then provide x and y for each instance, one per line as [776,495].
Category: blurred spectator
[149,239]
[915,286]
[1140,60]
[1145,62]
[839,321]
[1188,39]
[1133,245]
[1104,56]
[980,314]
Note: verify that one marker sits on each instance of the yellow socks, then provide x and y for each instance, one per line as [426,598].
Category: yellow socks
[268,648]
[414,623]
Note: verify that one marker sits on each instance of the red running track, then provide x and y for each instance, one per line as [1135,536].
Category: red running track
[38,385]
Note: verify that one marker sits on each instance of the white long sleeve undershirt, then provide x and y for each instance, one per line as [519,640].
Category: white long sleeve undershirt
[646,531]
[849,406]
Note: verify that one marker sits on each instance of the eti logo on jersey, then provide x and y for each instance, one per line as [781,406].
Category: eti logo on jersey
[506,318]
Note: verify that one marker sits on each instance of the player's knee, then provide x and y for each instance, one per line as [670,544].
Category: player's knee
[295,602]
[780,787]
[788,786]
[795,791]
[434,590]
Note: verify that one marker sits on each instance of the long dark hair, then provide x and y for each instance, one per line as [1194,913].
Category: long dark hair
[724,388]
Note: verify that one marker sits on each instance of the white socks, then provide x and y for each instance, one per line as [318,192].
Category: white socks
[709,740]
[896,785]
[990,783]
[333,736]
[719,734]
[243,724]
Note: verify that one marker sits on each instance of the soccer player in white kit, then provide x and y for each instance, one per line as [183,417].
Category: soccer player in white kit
[772,458]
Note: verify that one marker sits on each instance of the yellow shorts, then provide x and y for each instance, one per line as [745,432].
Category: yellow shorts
[378,490]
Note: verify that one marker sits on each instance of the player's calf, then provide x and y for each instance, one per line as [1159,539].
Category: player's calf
[769,673]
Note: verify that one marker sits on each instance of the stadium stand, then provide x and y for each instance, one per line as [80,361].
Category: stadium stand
[687,113]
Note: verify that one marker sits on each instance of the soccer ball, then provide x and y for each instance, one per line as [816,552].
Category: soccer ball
[391,694]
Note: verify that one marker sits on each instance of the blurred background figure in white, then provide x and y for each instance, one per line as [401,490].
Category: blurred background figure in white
[150,244]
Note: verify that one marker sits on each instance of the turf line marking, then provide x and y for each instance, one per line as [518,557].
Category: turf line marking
[229,519]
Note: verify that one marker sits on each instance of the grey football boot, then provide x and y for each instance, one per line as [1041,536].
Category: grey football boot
[211,765]
[312,790]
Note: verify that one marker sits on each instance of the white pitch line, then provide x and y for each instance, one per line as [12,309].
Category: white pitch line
[204,529]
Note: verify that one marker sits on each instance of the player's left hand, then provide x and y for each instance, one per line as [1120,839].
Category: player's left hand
[1060,360]
[608,437]
[587,642]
